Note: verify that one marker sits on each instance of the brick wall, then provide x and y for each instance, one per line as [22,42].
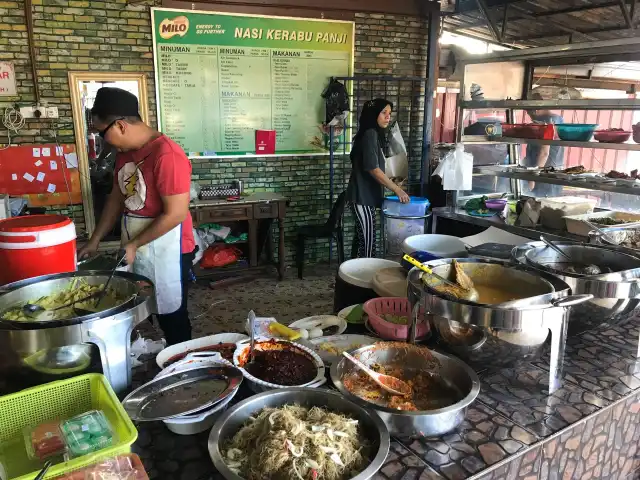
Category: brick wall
[114,36]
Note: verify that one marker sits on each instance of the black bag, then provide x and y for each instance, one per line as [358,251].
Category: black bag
[337,101]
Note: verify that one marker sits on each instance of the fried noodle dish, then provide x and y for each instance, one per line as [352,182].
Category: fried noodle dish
[294,442]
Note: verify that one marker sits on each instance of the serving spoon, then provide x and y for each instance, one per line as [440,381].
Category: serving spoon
[388,383]
[470,293]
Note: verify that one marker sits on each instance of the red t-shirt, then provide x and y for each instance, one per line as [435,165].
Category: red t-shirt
[159,169]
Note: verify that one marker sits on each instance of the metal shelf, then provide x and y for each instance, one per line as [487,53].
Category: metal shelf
[586,184]
[531,233]
[599,104]
[474,139]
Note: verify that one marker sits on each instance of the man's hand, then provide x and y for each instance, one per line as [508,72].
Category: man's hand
[89,249]
[130,249]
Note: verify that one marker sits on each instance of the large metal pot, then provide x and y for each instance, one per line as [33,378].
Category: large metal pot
[616,294]
[32,353]
[497,335]
[411,423]
[228,425]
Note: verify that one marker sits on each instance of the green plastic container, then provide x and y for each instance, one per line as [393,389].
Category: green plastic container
[60,400]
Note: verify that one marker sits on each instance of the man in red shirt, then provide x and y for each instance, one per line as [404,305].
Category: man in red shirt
[150,195]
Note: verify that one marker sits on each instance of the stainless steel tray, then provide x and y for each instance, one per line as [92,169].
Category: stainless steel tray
[182,393]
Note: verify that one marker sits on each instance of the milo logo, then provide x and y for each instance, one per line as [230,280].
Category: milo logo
[172,27]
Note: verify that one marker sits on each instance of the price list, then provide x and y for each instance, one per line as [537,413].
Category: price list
[214,98]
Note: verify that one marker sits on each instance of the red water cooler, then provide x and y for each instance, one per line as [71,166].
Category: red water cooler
[36,245]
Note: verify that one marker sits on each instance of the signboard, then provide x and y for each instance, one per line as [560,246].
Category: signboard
[7,80]
[221,77]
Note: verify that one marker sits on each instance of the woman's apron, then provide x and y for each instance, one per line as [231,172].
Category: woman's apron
[160,261]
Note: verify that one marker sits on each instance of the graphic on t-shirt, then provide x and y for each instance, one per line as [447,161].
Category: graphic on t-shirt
[132,186]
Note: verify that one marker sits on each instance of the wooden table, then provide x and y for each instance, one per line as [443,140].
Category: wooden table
[253,209]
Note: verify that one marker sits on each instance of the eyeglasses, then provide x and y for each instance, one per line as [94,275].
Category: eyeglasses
[102,133]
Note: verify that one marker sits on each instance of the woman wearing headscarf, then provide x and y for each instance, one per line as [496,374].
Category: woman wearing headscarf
[365,192]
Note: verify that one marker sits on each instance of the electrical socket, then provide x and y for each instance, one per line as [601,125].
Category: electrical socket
[39,111]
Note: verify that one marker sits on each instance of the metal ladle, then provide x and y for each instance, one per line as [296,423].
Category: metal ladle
[470,294]
[388,383]
[550,244]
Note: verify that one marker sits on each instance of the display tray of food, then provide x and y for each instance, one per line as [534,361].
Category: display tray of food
[279,364]
[627,236]
[298,433]
[441,387]
[330,349]
[76,298]
[612,135]
[577,224]
[223,343]
[536,131]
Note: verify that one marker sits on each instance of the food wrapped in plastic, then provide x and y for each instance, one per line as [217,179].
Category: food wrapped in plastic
[44,441]
[87,433]
[122,467]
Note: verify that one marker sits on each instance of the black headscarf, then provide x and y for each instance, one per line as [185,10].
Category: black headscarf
[369,119]
[111,101]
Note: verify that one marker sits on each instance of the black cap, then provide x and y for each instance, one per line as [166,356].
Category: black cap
[112,101]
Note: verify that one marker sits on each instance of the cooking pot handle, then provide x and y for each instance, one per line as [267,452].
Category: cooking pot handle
[572,300]
[318,384]
[213,356]
[145,288]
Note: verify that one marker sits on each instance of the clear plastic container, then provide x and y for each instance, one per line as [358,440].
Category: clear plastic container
[554,209]
[399,229]
[122,467]
[44,441]
[87,433]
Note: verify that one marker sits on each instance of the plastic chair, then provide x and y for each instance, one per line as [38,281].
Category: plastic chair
[332,229]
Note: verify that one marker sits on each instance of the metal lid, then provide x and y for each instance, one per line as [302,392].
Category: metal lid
[34,223]
[182,393]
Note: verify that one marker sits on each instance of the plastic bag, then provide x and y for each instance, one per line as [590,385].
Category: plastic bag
[122,467]
[456,170]
[396,164]
[219,256]
[201,247]
[194,191]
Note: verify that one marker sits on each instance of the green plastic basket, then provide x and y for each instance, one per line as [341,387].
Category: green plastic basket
[58,401]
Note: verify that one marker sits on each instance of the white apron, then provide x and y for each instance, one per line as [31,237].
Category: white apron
[160,261]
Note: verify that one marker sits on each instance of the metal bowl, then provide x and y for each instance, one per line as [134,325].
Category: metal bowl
[127,285]
[512,332]
[228,425]
[410,423]
[257,385]
[616,294]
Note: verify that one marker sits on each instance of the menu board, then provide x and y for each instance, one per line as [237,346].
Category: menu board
[221,77]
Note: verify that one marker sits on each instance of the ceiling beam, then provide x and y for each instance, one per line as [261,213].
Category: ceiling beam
[473,6]
[505,16]
[563,11]
[625,13]
[487,16]
[558,25]
[618,28]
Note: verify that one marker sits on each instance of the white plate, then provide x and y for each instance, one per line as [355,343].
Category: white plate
[344,342]
[318,319]
[344,313]
[198,343]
